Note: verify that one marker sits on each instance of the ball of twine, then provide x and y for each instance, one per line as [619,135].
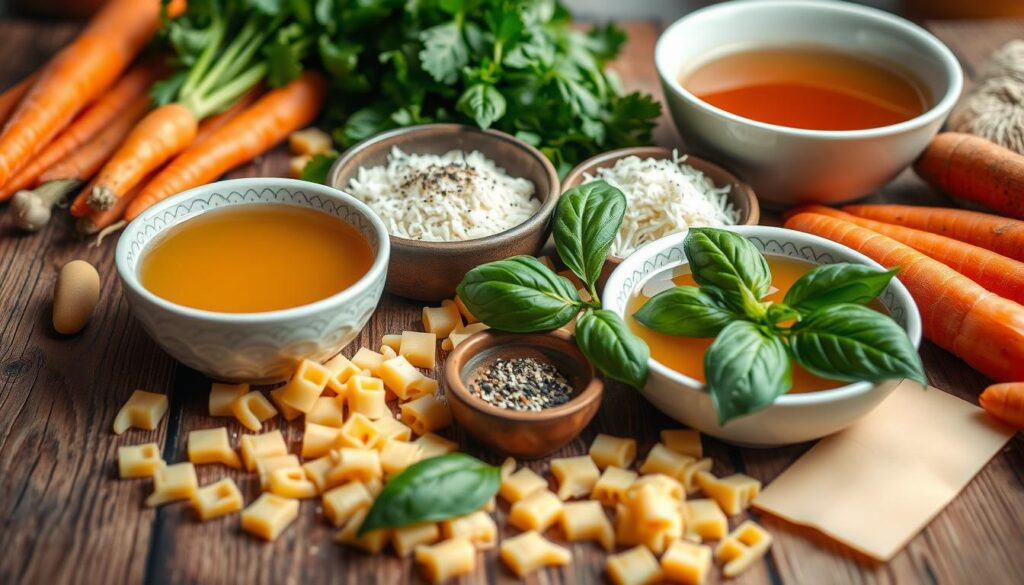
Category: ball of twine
[994,107]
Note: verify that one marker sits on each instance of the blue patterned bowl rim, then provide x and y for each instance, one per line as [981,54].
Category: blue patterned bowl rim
[668,251]
[179,208]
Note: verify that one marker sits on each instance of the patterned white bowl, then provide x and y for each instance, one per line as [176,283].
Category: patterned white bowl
[793,418]
[253,347]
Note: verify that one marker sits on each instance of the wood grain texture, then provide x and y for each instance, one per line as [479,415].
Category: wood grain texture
[67,519]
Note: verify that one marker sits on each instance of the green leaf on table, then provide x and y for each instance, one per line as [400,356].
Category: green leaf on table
[831,284]
[746,369]
[686,311]
[340,59]
[613,349]
[444,52]
[483,103]
[585,224]
[317,168]
[728,261]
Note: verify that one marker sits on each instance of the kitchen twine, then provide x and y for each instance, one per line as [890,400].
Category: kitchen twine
[994,107]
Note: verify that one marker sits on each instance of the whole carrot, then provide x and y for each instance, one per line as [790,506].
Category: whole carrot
[10,98]
[999,274]
[974,169]
[105,110]
[251,133]
[1005,402]
[982,328]
[992,232]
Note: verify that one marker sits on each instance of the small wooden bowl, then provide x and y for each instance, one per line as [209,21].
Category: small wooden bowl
[522,434]
[430,271]
[741,195]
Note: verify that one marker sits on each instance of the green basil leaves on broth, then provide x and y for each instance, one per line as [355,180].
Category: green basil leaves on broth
[753,327]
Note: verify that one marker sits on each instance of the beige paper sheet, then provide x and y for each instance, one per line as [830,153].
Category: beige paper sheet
[876,484]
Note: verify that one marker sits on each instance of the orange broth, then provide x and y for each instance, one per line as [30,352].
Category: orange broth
[255,258]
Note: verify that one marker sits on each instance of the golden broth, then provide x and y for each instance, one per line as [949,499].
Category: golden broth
[809,86]
[255,258]
[686,354]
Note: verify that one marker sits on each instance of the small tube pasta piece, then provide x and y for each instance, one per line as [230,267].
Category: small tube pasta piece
[733,493]
[478,527]
[367,359]
[683,441]
[426,414]
[342,502]
[309,141]
[407,538]
[611,487]
[576,476]
[466,313]
[254,447]
[441,321]
[212,446]
[538,511]
[342,369]
[222,395]
[608,450]
[372,542]
[399,376]
[173,482]
[327,411]
[636,566]
[521,484]
[742,548]
[318,440]
[434,445]
[139,460]
[686,562]
[391,429]
[420,387]
[359,432]
[530,551]
[397,455]
[286,411]
[393,341]
[446,560]
[355,465]
[463,333]
[662,460]
[266,465]
[366,396]
[142,411]
[291,482]
[625,526]
[690,473]
[387,352]
[316,470]
[664,483]
[655,509]
[705,520]
[269,515]
[587,521]
[419,348]
[217,499]
[307,384]
[252,409]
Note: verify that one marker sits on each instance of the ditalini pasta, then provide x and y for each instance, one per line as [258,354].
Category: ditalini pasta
[316,470]
[327,411]
[521,484]
[372,542]
[529,551]
[266,465]
[587,521]
[269,515]
[705,520]
[263,445]
[478,527]
[391,429]
[742,548]
[217,499]
[441,321]
[576,476]
[611,487]
[355,465]
[366,396]
[291,482]
[286,411]
[318,440]
[397,455]
[663,460]
[252,409]
[733,493]
[342,369]
[434,445]
[139,460]
[172,483]
[142,411]
[683,441]
[426,414]
[341,503]
[608,450]
[419,348]
[306,385]
[359,432]
[212,446]
[399,376]
[405,539]
[686,563]
[537,511]
[367,359]
[222,395]
[636,566]
[446,560]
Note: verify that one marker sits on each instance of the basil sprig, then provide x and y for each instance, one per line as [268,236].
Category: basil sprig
[432,490]
[522,295]
[821,323]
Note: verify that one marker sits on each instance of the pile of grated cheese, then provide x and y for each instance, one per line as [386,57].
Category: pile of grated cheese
[452,197]
[663,197]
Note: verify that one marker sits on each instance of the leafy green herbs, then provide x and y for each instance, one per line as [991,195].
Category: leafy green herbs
[821,323]
[431,490]
[522,295]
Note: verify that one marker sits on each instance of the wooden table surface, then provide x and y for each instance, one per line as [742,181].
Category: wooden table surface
[66,518]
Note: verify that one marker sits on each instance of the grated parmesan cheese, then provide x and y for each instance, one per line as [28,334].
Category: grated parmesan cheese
[663,197]
[455,196]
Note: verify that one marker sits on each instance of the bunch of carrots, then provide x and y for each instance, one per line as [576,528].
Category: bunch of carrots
[88,117]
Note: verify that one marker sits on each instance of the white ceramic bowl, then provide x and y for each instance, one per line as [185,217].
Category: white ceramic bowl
[793,418]
[253,347]
[788,166]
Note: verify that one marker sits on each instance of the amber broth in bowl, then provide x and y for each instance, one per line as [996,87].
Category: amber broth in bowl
[255,258]
[811,87]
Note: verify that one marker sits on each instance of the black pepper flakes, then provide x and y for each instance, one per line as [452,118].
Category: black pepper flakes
[522,384]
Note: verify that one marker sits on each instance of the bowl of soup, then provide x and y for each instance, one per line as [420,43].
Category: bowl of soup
[814,407]
[240,279]
[819,102]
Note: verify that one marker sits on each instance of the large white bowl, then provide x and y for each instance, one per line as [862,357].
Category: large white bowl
[793,418]
[788,166]
[253,347]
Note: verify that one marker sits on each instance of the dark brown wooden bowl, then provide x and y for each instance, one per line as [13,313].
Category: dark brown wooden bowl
[522,434]
[430,271]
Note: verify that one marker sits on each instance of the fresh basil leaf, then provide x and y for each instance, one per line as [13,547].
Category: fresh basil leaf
[686,311]
[779,312]
[727,260]
[831,284]
[852,342]
[586,221]
[746,369]
[444,52]
[432,490]
[317,168]
[613,349]
[519,294]
[483,103]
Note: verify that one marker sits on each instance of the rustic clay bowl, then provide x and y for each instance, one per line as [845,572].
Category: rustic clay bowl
[430,271]
[741,195]
[526,435]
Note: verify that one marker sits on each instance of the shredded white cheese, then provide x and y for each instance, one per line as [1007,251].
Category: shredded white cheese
[455,196]
[663,197]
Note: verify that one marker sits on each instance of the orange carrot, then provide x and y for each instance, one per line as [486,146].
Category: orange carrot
[992,232]
[10,98]
[1005,402]
[162,134]
[97,221]
[76,76]
[251,133]
[974,169]
[128,89]
[999,274]
[982,328]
